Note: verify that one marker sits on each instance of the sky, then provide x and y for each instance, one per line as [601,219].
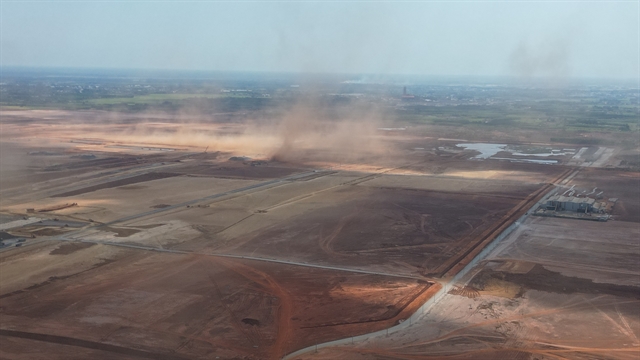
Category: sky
[477,38]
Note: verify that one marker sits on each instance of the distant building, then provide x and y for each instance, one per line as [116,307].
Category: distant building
[573,203]
[406,96]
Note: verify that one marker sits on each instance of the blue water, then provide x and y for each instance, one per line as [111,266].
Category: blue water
[486,150]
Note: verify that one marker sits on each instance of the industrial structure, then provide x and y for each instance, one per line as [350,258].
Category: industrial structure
[578,205]
[574,203]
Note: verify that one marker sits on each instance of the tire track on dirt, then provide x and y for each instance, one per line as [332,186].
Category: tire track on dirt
[626,324]
[326,242]
[285,308]
[402,303]
[507,352]
[581,305]
[625,330]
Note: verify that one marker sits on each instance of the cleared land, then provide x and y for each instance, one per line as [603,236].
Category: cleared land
[196,305]
[553,289]
[150,263]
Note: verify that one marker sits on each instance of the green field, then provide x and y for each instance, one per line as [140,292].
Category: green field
[156,98]
[548,115]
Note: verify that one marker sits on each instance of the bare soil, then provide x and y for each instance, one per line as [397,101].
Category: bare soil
[235,170]
[553,289]
[48,232]
[420,229]
[120,232]
[410,213]
[70,248]
[541,279]
[116,183]
[192,306]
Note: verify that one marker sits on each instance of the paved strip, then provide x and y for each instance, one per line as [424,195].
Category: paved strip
[210,197]
[19,223]
[606,155]
[255,258]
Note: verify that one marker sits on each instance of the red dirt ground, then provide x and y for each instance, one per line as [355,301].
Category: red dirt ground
[420,229]
[203,306]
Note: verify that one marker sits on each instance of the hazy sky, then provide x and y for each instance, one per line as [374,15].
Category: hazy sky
[567,39]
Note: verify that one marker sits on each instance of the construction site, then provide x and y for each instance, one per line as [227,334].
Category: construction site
[575,205]
[135,252]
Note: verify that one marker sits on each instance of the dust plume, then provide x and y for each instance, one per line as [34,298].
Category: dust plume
[312,130]
[309,129]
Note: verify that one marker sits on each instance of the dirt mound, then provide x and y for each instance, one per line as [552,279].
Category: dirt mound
[69,248]
[501,283]
[466,291]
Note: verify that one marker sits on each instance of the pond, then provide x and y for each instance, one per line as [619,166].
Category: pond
[486,150]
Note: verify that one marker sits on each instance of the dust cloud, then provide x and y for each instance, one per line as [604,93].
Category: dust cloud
[310,129]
